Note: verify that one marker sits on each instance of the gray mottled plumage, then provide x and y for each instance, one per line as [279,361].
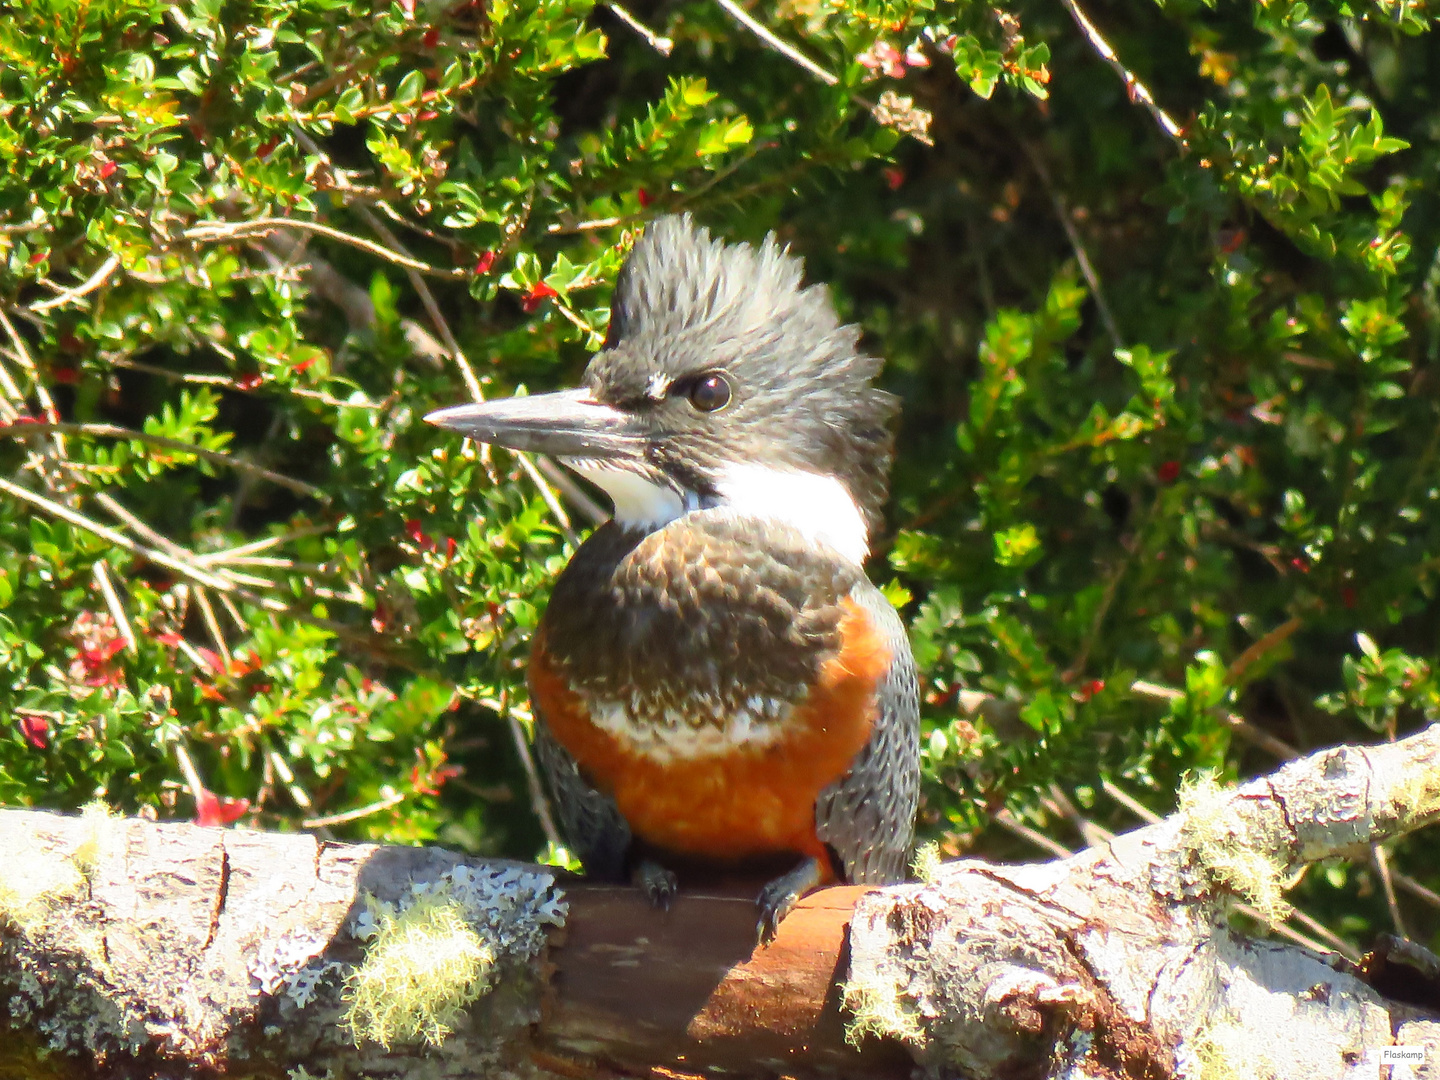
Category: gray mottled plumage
[712,607]
[868,815]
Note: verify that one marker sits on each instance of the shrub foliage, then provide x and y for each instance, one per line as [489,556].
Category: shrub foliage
[1166,335]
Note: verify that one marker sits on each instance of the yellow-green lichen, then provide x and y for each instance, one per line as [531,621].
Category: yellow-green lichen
[424,964]
[97,817]
[876,1009]
[1225,1051]
[1224,846]
[1417,795]
[925,866]
[32,883]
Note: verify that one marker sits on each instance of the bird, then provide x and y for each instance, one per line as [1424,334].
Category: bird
[715,678]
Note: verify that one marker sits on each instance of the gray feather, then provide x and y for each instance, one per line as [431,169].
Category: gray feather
[868,815]
[590,821]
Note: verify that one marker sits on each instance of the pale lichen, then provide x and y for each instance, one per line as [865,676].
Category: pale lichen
[97,817]
[437,950]
[877,1009]
[1416,796]
[1227,850]
[926,864]
[424,964]
[1225,1051]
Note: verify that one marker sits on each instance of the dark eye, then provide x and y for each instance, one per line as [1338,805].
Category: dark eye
[710,392]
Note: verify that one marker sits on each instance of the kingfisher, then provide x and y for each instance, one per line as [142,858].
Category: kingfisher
[715,678]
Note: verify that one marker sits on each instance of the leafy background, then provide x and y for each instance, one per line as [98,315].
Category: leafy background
[1165,334]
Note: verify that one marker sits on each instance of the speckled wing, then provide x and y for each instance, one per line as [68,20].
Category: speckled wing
[589,819]
[868,815]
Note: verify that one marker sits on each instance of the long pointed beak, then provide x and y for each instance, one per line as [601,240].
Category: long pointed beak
[570,424]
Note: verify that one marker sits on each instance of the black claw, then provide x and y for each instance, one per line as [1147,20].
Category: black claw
[782,894]
[658,884]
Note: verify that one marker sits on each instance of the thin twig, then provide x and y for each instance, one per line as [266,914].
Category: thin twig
[379,806]
[548,495]
[1260,647]
[212,624]
[1008,821]
[1336,943]
[513,714]
[42,393]
[661,44]
[64,513]
[1242,727]
[114,431]
[427,300]
[892,110]
[287,776]
[794,55]
[588,507]
[1387,883]
[100,570]
[1092,833]
[248,230]
[584,226]
[210,558]
[1139,809]
[1414,888]
[1133,86]
[1082,257]
[89,285]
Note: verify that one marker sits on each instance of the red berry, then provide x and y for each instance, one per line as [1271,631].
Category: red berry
[484,263]
[1168,472]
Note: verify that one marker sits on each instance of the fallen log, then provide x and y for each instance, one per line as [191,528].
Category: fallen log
[134,948]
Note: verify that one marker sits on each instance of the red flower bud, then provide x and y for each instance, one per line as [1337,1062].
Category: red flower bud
[536,296]
[35,729]
[218,810]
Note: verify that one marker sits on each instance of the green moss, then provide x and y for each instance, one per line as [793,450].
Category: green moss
[424,964]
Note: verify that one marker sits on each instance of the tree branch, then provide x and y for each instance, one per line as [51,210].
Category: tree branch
[132,947]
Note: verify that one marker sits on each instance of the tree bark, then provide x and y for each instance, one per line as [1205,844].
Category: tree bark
[132,948]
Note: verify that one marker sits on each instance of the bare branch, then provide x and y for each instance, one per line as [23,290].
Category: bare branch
[89,285]
[120,540]
[114,431]
[1133,86]
[661,44]
[210,232]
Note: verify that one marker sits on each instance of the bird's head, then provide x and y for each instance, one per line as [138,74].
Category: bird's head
[723,383]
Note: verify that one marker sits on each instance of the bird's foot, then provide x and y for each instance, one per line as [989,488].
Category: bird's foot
[658,884]
[782,894]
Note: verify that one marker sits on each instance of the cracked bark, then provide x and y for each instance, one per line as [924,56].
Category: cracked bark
[165,956]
